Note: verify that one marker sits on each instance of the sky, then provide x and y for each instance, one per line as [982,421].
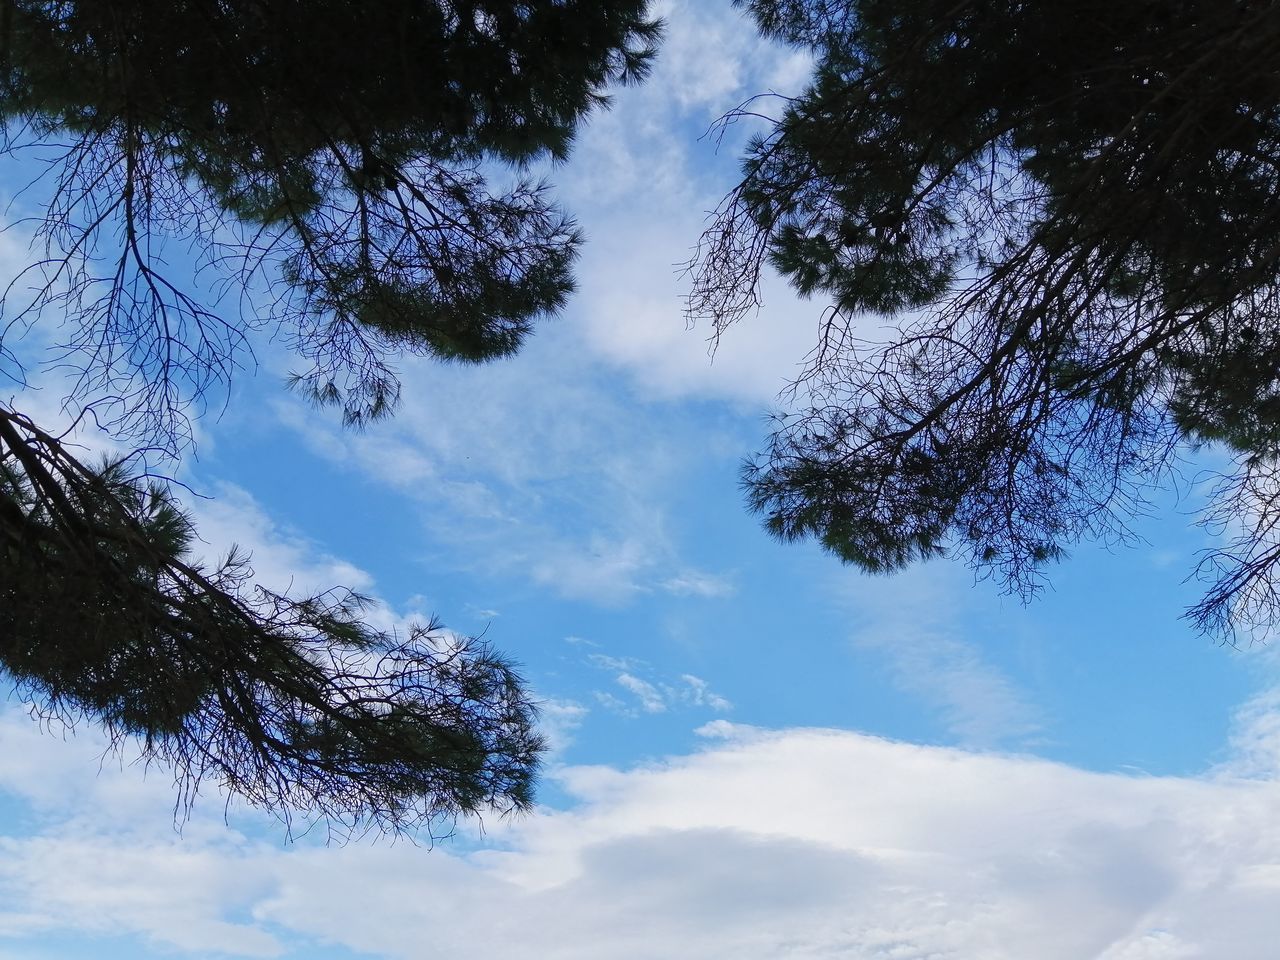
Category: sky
[755,752]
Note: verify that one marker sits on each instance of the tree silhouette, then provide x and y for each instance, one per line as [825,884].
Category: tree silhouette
[338,159]
[1071,215]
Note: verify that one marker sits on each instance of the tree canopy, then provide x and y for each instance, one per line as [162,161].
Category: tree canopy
[1071,213]
[339,151]
[331,165]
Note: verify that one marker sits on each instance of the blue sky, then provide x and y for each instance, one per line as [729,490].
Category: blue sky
[757,752]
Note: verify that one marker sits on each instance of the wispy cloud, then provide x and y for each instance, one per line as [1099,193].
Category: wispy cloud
[558,722]
[914,625]
[605,661]
[699,693]
[554,468]
[659,693]
[651,699]
[695,583]
[1255,738]
[538,469]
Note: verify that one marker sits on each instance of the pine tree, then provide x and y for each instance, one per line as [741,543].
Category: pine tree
[1070,212]
[340,150]
[340,156]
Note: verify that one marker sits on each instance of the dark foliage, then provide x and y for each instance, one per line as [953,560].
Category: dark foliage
[329,165]
[343,148]
[1072,211]
[293,704]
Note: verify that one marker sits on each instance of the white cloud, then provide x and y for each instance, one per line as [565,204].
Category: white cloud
[606,662]
[1255,738]
[538,468]
[651,700]
[643,178]
[804,843]
[630,309]
[558,721]
[696,583]
[551,467]
[711,59]
[161,891]
[657,695]
[978,703]
[610,702]
[105,856]
[282,559]
[912,623]
[703,62]
[602,568]
[699,693]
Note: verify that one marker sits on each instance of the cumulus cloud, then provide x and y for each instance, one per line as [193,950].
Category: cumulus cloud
[824,844]
[804,843]
[161,891]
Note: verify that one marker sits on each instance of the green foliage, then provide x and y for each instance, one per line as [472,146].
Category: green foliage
[296,705]
[339,159]
[345,148]
[1070,212]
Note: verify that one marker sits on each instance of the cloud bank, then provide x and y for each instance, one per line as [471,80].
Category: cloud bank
[794,843]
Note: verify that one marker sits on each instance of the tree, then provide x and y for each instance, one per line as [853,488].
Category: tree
[1070,212]
[330,165]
